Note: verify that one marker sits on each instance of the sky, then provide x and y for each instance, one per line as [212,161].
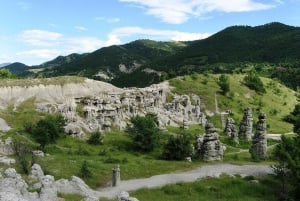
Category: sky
[36,31]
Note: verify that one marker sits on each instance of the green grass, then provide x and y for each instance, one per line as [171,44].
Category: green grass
[224,189]
[44,81]
[278,102]
[67,156]
[25,112]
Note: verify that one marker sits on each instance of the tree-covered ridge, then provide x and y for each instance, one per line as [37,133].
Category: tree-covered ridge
[272,49]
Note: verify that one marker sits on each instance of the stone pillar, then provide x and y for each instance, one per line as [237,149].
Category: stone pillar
[231,130]
[259,142]
[211,147]
[116,177]
[246,125]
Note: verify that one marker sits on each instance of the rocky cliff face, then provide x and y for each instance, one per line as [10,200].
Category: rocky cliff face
[104,106]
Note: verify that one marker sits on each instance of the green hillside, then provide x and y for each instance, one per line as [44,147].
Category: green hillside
[277,102]
[108,60]
[271,49]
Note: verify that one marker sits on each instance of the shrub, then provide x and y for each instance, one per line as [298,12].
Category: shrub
[84,171]
[48,130]
[95,139]
[224,84]
[252,81]
[143,132]
[177,148]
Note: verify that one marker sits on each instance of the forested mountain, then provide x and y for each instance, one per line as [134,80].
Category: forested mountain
[271,48]
[17,68]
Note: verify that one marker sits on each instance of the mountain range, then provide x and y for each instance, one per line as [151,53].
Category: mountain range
[144,62]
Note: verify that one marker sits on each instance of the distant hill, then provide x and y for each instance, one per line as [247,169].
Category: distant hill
[111,62]
[273,42]
[17,68]
[144,62]
[4,64]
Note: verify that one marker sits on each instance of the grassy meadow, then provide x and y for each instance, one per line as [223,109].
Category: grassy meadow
[66,156]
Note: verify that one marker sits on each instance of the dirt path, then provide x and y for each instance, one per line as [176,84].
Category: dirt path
[188,176]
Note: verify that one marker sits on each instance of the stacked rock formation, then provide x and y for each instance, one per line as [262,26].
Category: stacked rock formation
[259,141]
[231,130]
[246,124]
[211,148]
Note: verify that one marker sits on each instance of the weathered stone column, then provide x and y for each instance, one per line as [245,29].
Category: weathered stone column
[116,177]
[211,147]
[231,130]
[259,141]
[246,125]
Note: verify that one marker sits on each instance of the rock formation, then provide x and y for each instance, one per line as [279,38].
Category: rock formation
[231,130]
[211,148]
[97,106]
[42,187]
[259,141]
[246,125]
[124,196]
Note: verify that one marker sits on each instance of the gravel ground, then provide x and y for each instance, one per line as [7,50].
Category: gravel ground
[188,176]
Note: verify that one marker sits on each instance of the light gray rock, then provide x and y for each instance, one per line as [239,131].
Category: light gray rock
[124,196]
[36,172]
[9,196]
[6,146]
[259,141]
[4,126]
[74,186]
[231,130]
[48,190]
[246,125]
[90,199]
[7,161]
[211,148]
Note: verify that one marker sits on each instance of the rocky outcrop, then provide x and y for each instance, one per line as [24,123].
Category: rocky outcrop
[3,126]
[231,130]
[246,125]
[6,146]
[124,196]
[259,141]
[211,147]
[14,188]
[97,106]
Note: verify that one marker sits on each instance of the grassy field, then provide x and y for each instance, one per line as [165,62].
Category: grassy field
[43,81]
[68,154]
[224,189]
[276,103]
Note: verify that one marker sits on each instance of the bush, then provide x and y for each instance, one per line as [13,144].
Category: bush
[48,130]
[178,147]
[84,171]
[224,84]
[143,132]
[252,81]
[95,139]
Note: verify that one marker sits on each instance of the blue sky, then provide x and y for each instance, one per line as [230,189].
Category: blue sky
[35,31]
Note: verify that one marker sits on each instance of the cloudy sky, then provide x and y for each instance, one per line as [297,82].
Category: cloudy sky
[35,31]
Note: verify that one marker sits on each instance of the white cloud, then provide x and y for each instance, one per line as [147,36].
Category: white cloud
[108,20]
[83,44]
[44,45]
[39,53]
[179,11]
[40,38]
[81,28]
[156,34]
